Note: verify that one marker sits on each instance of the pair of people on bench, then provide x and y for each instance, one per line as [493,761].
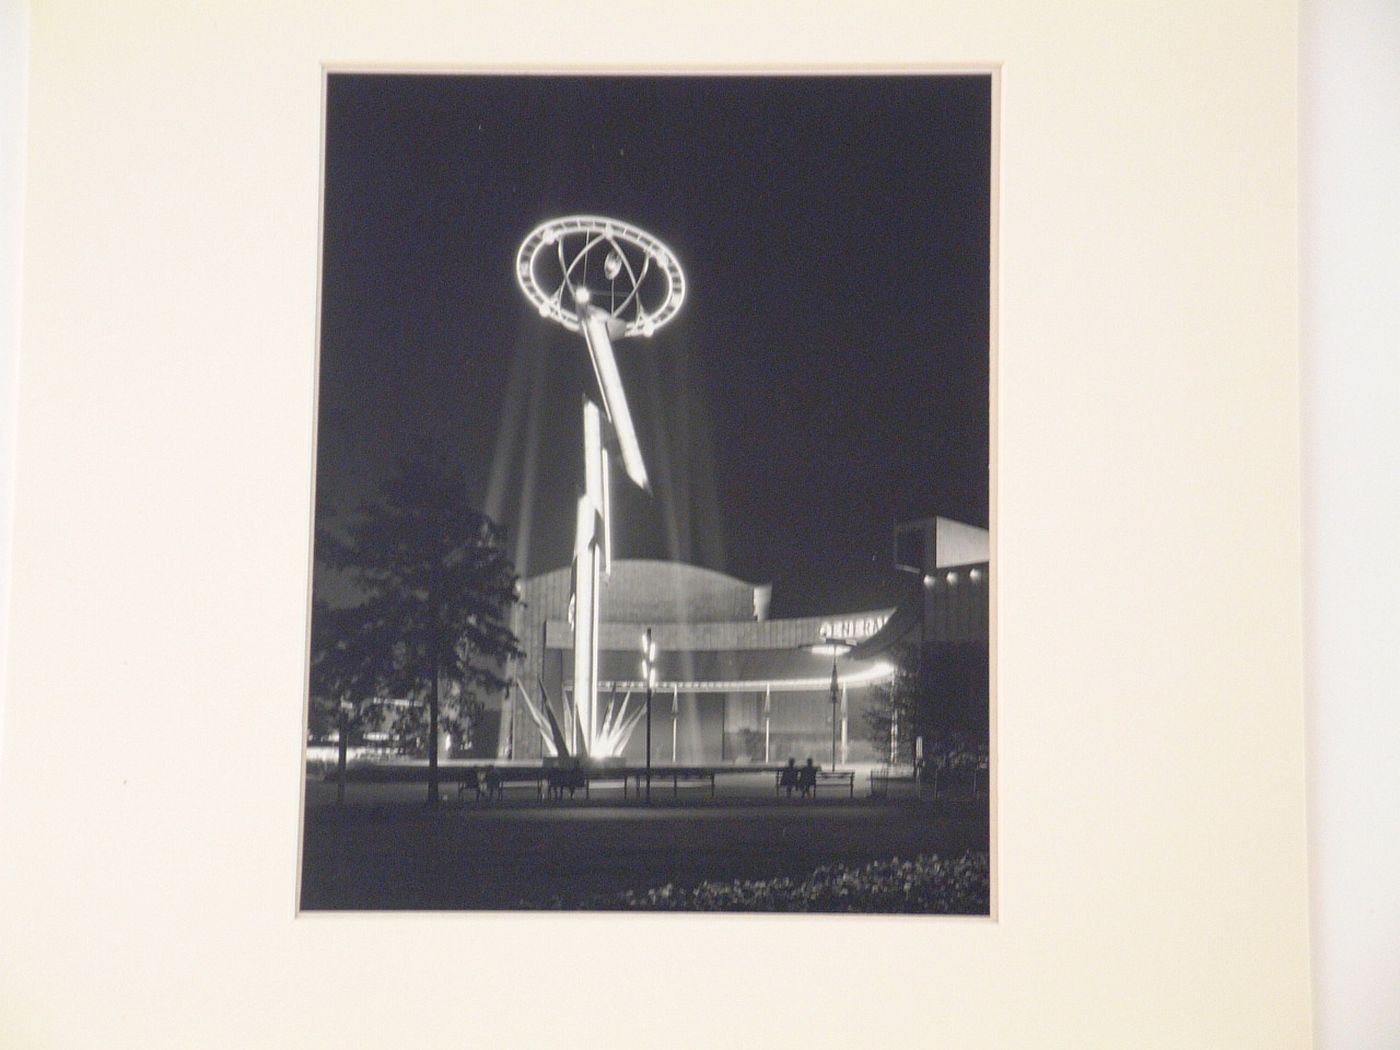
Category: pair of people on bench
[804,779]
[571,779]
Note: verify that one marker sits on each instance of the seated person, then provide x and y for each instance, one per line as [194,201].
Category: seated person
[788,777]
[575,779]
[807,779]
[554,782]
[493,784]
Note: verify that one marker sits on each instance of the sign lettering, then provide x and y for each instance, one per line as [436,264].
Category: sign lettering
[860,627]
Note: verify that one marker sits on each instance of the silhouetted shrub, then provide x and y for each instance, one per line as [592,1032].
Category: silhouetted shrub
[925,885]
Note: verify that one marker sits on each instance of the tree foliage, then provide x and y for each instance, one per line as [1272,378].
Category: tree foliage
[346,675]
[944,698]
[435,590]
[346,665]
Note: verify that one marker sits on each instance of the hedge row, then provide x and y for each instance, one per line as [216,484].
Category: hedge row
[926,885]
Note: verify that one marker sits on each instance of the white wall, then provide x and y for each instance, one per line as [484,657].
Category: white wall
[1350,69]
[959,544]
[14,71]
[1350,53]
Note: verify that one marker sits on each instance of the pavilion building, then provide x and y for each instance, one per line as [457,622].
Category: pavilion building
[731,684]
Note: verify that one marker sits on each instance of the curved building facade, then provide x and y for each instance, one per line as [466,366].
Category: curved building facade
[731,684]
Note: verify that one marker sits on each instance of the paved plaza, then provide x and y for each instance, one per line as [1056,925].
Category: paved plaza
[386,850]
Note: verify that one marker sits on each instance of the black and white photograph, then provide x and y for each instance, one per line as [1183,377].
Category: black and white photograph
[652,540]
[732,525]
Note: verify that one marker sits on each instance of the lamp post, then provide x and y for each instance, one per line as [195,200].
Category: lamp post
[835,700]
[835,648]
[894,722]
[649,677]
[342,749]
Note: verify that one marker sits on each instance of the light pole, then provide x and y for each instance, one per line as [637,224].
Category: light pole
[342,750]
[835,648]
[894,722]
[835,700]
[649,677]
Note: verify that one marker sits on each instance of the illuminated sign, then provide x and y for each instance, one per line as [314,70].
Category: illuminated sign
[861,627]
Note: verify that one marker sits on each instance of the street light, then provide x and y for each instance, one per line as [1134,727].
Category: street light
[835,648]
[648,677]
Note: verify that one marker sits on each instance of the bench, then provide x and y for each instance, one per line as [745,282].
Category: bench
[695,777]
[824,778]
[881,779]
[941,776]
[553,781]
[836,778]
[559,779]
[533,782]
[604,774]
[466,779]
[506,780]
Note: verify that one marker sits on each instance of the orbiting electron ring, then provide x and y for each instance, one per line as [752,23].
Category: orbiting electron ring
[587,260]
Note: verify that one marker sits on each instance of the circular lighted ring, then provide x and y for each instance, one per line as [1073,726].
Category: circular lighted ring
[570,240]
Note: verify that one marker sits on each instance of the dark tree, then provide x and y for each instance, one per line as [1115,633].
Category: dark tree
[437,591]
[943,698]
[349,670]
[891,716]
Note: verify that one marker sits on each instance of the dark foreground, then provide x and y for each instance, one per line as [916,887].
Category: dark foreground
[394,853]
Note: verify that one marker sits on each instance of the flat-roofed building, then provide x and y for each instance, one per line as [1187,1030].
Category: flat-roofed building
[733,685]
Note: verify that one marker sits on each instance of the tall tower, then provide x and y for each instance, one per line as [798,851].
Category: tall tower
[606,280]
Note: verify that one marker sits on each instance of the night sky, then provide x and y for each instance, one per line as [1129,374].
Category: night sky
[826,376]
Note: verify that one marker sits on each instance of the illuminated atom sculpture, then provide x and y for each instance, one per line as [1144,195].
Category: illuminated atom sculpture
[608,280]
